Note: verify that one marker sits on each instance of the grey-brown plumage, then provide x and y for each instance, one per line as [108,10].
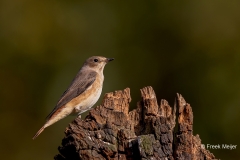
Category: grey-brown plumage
[83,92]
[78,86]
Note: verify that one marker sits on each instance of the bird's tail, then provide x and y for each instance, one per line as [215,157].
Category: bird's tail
[39,132]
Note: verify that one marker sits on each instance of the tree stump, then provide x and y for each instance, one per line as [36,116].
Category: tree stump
[111,132]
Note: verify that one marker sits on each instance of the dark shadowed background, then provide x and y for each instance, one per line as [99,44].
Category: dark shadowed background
[189,47]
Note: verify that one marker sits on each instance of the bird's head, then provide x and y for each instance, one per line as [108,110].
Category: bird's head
[97,63]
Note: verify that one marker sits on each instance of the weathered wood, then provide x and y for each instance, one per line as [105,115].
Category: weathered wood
[111,132]
[188,147]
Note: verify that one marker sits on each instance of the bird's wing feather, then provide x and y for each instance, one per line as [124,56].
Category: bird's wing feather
[81,82]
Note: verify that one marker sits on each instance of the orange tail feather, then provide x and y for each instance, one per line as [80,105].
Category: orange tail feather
[39,132]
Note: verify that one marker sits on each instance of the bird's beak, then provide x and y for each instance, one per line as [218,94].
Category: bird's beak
[109,59]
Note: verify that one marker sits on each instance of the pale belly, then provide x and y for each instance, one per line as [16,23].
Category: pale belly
[88,102]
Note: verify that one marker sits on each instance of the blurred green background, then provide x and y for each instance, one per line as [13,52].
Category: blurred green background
[189,47]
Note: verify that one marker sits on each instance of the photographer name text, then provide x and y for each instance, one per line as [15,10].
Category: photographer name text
[221,146]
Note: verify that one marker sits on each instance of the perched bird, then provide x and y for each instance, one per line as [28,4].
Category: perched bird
[83,92]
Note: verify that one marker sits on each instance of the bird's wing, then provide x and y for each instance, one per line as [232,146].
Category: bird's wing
[81,82]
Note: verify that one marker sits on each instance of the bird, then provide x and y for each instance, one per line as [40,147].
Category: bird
[82,94]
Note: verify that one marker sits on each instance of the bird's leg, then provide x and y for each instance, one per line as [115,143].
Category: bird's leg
[79,113]
[91,109]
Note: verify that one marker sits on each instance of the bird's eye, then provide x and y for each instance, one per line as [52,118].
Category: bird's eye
[95,60]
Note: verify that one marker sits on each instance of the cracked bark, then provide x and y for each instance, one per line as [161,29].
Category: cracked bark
[111,132]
